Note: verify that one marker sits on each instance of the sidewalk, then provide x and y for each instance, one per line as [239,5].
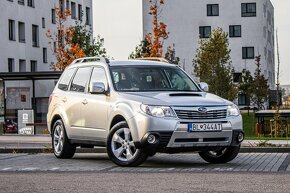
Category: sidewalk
[42,143]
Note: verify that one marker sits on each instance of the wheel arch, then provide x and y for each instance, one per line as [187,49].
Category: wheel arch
[117,118]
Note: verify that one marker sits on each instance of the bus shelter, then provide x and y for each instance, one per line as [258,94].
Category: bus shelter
[24,101]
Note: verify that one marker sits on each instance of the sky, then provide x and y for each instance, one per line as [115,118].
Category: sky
[282,23]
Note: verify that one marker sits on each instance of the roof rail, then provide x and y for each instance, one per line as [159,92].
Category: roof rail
[154,59]
[91,59]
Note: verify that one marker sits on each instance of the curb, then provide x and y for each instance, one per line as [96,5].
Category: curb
[103,150]
[265,150]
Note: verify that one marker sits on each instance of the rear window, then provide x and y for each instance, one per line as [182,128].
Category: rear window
[65,79]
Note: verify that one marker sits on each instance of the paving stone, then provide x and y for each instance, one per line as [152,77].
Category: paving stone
[252,162]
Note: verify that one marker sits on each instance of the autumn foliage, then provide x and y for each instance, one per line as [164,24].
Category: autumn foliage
[159,33]
[66,51]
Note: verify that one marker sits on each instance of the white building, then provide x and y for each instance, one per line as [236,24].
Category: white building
[25,48]
[250,25]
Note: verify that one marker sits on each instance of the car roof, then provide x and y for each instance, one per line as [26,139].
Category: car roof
[122,63]
[138,63]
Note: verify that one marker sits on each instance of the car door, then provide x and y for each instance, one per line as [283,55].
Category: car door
[95,108]
[74,101]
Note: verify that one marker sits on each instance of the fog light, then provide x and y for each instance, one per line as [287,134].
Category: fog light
[151,139]
[241,137]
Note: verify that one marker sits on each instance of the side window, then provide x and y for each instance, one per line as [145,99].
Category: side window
[65,78]
[80,80]
[99,75]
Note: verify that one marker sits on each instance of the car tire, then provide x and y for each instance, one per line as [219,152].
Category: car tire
[62,148]
[223,155]
[121,149]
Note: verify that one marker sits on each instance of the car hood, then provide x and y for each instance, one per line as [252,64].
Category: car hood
[176,98]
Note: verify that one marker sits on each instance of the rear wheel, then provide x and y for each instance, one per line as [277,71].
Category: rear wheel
[223,155]
[62,148]
[121,149]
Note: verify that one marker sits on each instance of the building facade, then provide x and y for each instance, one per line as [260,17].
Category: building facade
[26,48]
[250,25]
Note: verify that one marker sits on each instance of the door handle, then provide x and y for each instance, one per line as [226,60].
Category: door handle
[85,102]
[64,99]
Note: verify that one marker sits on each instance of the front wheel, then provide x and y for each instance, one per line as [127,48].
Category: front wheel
[223,155]
[121,149]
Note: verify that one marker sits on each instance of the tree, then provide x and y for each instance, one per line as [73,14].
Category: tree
[141,50]
[66,50]
[212,64]
[170,55]
[246,86]
[260,86]
[152,44]
[159,34]
[82,37]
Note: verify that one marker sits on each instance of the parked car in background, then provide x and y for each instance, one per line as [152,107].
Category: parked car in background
[9,127]
[136,108]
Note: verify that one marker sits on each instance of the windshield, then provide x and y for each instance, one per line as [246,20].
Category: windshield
[151,78]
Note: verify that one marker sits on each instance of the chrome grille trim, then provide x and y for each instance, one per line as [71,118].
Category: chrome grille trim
[195,114]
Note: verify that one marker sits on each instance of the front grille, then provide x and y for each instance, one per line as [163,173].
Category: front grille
[192,114]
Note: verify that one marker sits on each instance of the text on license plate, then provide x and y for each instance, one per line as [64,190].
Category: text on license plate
[204,127]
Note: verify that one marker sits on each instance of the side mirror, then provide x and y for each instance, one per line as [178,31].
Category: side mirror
[203,86]
[98,88]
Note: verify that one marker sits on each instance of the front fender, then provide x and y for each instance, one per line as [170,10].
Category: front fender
[125,110]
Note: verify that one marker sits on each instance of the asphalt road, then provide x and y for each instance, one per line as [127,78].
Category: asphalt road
[143,182]
[249,172]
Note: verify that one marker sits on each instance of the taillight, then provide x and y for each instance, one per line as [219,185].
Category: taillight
[50,99]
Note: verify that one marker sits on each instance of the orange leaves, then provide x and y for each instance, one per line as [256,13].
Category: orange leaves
[159,34]
[66,51]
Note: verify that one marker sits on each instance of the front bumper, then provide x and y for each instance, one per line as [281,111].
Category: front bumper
[173,133]
[167,143]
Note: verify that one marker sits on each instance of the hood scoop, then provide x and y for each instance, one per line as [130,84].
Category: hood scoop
[184,94]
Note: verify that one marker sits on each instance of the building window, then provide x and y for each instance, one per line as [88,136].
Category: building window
[11,65]
[21,32]
[204,31]
[248,9]
[11,27]
[22,66]
[43,22]
[80,12]
[73,10]
[35,36]
[88,16]
[212,9]
[67,4]
[235,31]
[21,2]
[53,16]
[44,55]
[30,3]
[10,0]
[243,99]
[248,53]
[54,47]
[237,77]
[33,65]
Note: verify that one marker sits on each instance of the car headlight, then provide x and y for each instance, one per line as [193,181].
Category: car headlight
[158,111]
[233,110]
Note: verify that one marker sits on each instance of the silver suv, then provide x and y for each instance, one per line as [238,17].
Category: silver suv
[136,108]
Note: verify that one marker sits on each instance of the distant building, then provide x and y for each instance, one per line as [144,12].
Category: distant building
[25,48]
[250,25]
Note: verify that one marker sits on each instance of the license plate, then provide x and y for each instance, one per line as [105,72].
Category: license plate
[193,127]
